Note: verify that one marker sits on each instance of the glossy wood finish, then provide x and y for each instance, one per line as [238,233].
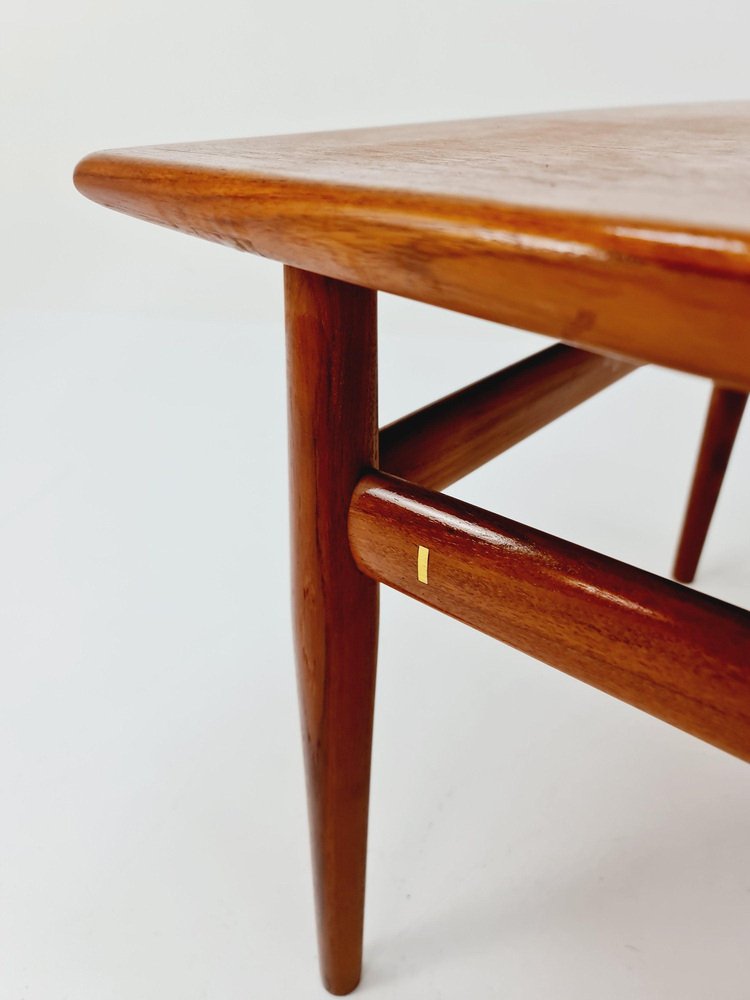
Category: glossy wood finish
[722,423]
[448,439]
[333,436]
[676,654]
[624,231]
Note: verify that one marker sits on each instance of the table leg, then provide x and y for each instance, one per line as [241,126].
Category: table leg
[723,421]
[333,435]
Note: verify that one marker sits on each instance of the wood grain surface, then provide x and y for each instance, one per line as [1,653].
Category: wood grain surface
[626,231]
[655,644]
[333,437]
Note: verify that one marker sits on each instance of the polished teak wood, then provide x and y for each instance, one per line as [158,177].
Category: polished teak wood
[722,423]
[624,233]
[586,226]
[442,442]
[332,385]
[681,656]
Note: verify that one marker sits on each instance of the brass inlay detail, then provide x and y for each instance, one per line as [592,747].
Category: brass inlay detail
[423,557]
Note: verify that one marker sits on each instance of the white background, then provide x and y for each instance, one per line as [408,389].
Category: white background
[531,838]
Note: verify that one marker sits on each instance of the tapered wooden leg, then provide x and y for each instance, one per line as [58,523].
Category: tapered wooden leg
[333,435]
[723,420]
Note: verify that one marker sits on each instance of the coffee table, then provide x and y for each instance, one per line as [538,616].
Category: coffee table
[625,235]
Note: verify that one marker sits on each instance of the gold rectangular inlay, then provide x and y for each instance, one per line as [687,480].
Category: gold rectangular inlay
[423,557]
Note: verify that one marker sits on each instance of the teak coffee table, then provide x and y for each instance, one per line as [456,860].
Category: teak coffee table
[625,234]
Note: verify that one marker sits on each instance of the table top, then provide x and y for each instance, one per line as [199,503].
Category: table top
[626,231]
